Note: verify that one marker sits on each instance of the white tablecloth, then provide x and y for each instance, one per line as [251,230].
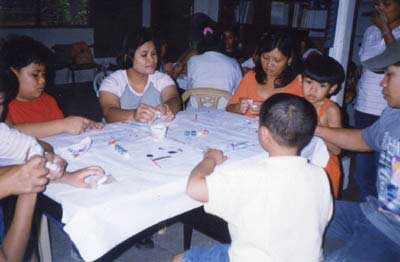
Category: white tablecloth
[145,194]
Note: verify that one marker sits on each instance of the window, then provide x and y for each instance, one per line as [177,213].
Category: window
[54,13]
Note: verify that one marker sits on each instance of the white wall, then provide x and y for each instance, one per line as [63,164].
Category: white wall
[341,45]
[52,36]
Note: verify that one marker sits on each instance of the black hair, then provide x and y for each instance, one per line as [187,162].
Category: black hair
[285,44]
[324,69]
[198,22]
[15,53]
[210,40]
[20,51]
[290,119]
[133,41]
[8,90]
[303,38]
[171,55]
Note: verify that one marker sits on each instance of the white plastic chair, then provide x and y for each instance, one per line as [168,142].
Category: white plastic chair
[98,79]
[205,96]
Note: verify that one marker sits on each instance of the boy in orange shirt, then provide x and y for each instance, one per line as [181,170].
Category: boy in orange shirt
[321,78]
[33,111]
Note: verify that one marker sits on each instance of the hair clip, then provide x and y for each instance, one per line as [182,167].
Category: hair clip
[207,30]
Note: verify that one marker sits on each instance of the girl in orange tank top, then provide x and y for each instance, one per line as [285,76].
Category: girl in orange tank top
[321,77]
[333,167]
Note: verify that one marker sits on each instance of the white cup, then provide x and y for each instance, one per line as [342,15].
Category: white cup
[158,131]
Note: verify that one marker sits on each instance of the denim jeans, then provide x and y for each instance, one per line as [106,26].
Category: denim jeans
[365,163]
[2,234]
[351,237]
[215,253]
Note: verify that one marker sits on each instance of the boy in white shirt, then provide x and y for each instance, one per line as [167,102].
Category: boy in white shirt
[276,208]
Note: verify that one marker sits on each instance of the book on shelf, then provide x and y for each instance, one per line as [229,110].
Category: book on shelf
[314,19]
[305,17]
[279,13]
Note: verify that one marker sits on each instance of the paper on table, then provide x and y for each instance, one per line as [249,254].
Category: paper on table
[76,150]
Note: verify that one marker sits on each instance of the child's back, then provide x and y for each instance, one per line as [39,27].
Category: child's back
[277,208]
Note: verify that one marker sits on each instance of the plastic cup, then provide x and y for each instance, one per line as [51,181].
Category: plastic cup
[158,130]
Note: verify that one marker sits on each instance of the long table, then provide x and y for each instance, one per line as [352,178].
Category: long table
[147,192]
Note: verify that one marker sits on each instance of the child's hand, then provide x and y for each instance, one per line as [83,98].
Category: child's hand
[77,178]
[93,125]
[215,155]
[30,177]
[76,124]
[144,113]
[57,173]
[166,112]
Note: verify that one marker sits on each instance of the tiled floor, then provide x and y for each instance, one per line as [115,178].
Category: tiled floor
[166,246]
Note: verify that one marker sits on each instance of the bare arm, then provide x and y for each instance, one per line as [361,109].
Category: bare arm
[41,129]
[77,178]
[170,97]
[349,139]
[6,179]
[111,107]
[196,186]
[381,21]
[16,239]
[388,37]
[23,179]
[234,108]
[239,108]
[72,125]
[46,146]
[334,121]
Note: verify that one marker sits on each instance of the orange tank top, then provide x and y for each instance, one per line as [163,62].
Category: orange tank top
[333,167]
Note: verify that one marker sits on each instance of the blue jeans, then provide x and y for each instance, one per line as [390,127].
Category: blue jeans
[2,234]
[217,253]
[351,237]
[366,163]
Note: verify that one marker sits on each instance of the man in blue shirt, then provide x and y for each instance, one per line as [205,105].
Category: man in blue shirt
[370,231]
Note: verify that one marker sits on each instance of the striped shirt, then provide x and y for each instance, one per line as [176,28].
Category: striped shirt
[14,145]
